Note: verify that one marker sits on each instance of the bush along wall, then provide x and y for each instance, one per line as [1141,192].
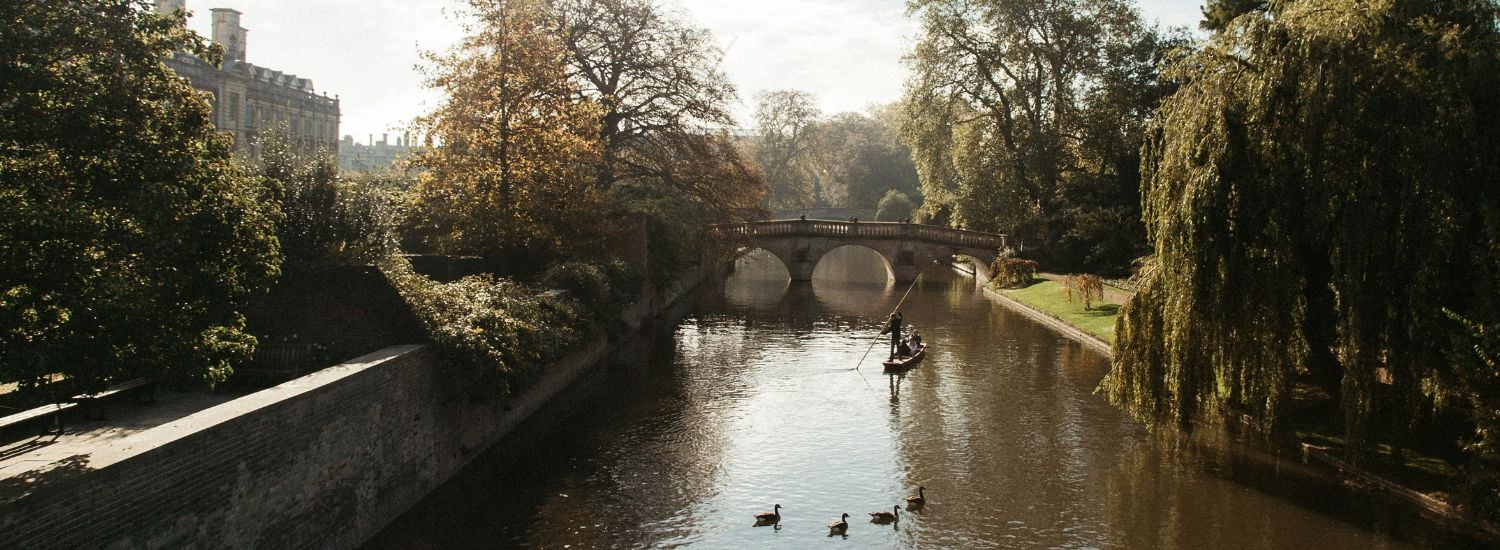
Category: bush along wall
[494,335]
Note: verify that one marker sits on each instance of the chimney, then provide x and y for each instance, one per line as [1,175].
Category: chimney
[168,6]
[372,139]
[384,139]
[229,34]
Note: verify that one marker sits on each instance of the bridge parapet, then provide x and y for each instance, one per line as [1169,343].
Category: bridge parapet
[865,230]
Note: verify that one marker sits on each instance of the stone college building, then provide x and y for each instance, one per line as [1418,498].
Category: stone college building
[248,99]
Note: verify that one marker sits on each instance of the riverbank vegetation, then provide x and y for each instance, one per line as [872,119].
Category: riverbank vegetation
[1316,249]
[574,134]
[1322,198]
[556,123]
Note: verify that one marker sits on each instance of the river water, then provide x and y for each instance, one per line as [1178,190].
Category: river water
[756,401]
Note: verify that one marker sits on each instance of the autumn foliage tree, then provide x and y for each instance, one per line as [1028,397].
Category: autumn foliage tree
[666,155]
[664,102]
[129,241]
[556,107]
[508,153]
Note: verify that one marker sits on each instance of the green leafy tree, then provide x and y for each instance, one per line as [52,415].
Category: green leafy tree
[1476,363]
[328,216]
[894,206]
[1026,118]
[861,158]
[128,238]
[1319,189]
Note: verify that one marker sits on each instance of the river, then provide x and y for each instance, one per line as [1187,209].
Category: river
[756,401]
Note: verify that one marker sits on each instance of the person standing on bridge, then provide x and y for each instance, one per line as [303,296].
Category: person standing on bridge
[893,326]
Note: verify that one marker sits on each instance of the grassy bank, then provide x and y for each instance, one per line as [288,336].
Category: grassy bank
[1047,296]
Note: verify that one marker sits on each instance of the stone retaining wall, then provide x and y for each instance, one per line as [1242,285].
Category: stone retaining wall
[322,461]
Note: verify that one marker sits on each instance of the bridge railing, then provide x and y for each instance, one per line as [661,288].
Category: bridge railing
[866,230]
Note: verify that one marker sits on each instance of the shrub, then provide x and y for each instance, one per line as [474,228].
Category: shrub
[673,227]
[495,335]
[327,217]
[369,211]
[585,282]
[625,280]
[1013,272]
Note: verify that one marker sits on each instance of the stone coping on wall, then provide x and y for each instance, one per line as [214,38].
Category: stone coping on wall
[132,431]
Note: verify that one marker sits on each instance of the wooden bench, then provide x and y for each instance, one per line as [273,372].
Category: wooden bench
[146,394]
[53,412]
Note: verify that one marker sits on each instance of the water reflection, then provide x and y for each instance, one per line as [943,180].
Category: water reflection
[761,398]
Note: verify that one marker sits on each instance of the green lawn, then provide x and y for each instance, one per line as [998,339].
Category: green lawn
[1048,297]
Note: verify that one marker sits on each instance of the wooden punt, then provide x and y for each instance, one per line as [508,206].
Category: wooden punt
[907,362]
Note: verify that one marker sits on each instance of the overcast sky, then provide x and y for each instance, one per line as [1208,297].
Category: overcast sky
[847,52]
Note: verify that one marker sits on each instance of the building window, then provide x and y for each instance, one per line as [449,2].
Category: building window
[233,109]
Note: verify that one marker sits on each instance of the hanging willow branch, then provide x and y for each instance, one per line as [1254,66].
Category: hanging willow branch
[1317,190]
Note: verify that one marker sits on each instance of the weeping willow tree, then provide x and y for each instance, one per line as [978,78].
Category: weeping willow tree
[1318,191]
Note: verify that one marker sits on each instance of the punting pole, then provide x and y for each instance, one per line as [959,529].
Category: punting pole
[893,310]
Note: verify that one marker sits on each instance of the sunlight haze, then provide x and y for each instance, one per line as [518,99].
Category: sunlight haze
[846,52]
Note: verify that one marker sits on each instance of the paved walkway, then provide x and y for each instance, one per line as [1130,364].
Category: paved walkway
[22,460]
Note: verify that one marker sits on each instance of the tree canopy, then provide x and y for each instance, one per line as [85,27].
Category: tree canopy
[508,152]
[861,159]
[128,238]
[1319,191]
[1026,117]
[786,121]
[556,107]
[1217,14]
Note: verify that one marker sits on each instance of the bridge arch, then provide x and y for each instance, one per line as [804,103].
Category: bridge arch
[885,260]
[982,271]
[748,253]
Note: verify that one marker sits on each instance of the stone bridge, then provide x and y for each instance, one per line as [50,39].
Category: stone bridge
[906,247]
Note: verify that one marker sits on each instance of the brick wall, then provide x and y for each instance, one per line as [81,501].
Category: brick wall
[318,315]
